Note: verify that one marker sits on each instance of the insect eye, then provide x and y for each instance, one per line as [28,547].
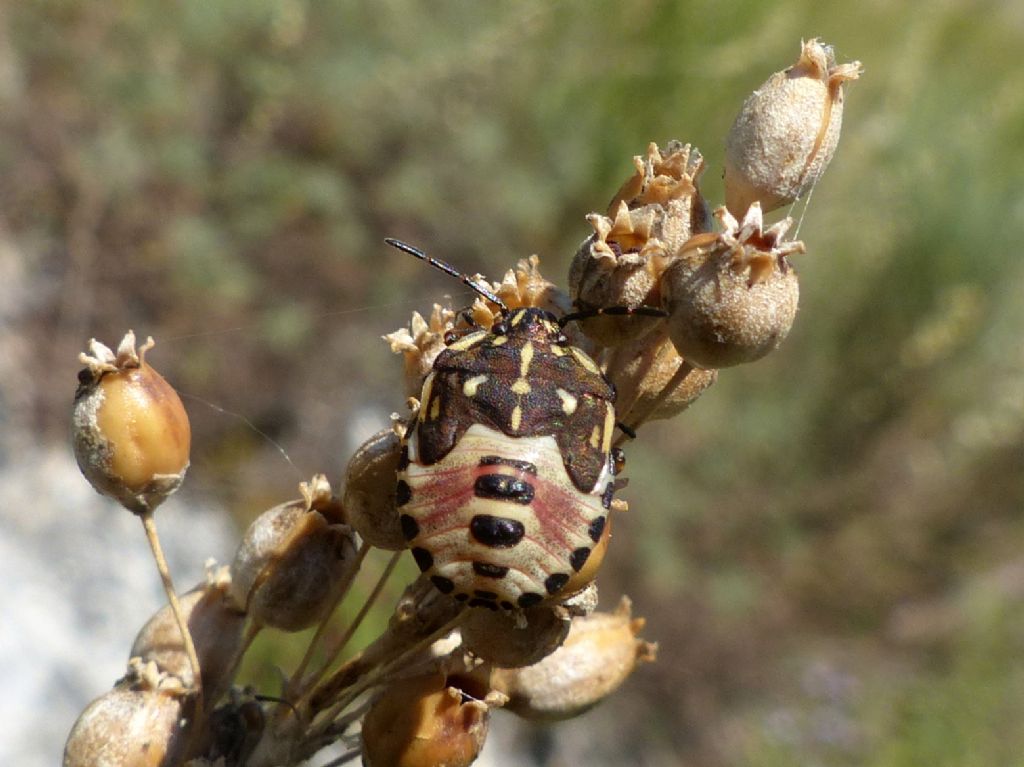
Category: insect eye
[562,339]
[500,328]
[451,337]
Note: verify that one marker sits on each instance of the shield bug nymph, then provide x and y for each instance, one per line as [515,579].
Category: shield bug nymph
[507,471]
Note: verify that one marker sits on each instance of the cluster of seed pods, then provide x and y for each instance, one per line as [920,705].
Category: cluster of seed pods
[714,288]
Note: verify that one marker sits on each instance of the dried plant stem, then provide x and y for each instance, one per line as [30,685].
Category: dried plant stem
[149,525]
[295,683]
[367,604]
[684,369]
[382,671]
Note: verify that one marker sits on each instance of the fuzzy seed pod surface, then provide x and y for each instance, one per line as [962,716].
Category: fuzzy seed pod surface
[787,131]
[216,628]
[600,652]
[130,431]
[369,498]
[293,560]
[128,727]
[733,299]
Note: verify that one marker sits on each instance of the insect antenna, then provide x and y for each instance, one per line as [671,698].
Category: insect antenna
[448,269]
[612,311]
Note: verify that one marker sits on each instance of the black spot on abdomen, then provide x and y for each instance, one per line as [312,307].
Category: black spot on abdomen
[502,487]
[496,532]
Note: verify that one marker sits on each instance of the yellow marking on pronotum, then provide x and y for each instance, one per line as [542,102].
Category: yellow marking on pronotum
[517,418]
[471,385]
[584,360]
[595,437]
[428,387]
[558,351]
[517,317]
[526,358]
[499,340]
[435,409]
[467,341]
[521,386]
[568,401]
[609,429]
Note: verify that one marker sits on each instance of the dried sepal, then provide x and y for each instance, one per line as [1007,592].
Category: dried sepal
[428,721]
[600,652]
[420,343]
[733,298]
[622,263]
[294,559]
[216,628]
[130,431]
[787,131]
[369,497]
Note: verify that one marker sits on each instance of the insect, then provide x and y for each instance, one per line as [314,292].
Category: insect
[507,471]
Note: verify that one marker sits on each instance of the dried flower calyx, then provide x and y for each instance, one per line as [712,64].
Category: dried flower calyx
[732,298]
[621,264]
[130,431]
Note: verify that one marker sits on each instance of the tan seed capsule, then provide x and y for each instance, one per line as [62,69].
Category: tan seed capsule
[787,131]
[515,640]
[294,560]
[130,431]
[136,724]
[369,498]
[732,298]
[216,627]
[600,652]
[420,343]
[426,721]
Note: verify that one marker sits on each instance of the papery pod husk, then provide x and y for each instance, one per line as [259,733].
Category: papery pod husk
[599,654]
[426,721]
[369,496]
[420,343]
[294,560]
[650,383]
[130,432]
[732,298]
[621,264]
[787,131]
[216,627]
[141,722]
[515,640]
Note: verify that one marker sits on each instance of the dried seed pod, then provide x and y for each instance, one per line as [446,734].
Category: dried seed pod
[294,560]
[786,132]
[369,497]
[130,431]
[732,298]
[600,652]
[139,723]
[621,264]
[650,382]
[216,627]
[427,721]
[515,640]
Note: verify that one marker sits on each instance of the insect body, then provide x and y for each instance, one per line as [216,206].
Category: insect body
[507,473]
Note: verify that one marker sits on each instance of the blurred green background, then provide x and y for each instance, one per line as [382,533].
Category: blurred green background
[828,545]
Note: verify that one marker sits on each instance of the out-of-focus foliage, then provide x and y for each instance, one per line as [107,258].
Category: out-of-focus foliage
[812,540]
